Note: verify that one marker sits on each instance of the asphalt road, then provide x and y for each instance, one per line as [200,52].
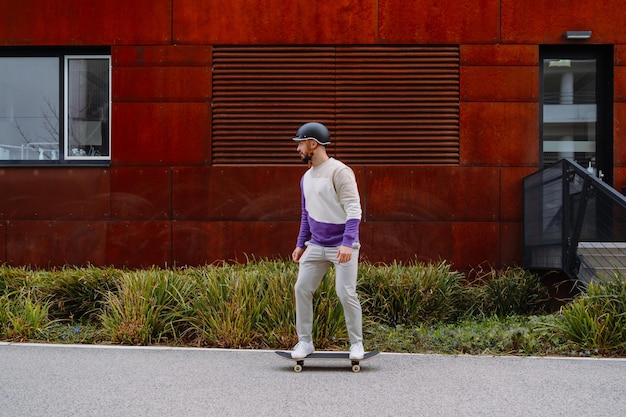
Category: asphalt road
[71,380]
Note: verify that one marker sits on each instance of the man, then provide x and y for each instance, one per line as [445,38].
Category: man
[329,233]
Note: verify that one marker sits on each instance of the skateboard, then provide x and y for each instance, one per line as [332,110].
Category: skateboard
[356,364]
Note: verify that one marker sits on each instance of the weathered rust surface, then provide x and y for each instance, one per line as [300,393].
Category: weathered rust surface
[545,22]
[174,195]
[78,22]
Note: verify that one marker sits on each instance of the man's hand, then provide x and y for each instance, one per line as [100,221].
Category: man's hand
[344,254]
[297,253]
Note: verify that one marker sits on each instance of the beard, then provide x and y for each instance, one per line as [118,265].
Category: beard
[306,158]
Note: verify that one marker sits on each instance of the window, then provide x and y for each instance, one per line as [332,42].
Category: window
[569,110]
[54,108]
[577,106]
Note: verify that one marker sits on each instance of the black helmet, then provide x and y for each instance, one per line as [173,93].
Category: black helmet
[313,130]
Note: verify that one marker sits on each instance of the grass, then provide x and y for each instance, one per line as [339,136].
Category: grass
[513,335]
[597,321]
[411,294]
[413,307]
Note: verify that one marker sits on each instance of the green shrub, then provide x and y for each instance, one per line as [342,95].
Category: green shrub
[280,315]
[493,336]
[410,294]
[252,305]
[79,293]
[508,292]
[22,317]
[147,306]
[16,278]
[596,320]
[406,308]
[229,306]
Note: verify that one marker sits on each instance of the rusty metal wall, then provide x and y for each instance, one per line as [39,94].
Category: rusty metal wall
[165,200]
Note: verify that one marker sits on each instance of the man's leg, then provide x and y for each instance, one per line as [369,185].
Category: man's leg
[311,271]
[345,285]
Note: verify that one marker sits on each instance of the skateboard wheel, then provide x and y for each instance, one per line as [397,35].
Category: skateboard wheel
[356,367]
[297,368]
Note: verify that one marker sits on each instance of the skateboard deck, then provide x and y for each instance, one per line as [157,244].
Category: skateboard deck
[344,356]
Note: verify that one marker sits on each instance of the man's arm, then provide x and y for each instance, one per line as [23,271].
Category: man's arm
[305,229]
[348,195]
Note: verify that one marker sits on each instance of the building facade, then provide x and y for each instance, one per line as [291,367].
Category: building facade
[158,132]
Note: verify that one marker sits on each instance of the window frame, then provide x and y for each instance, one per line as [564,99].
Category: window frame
[605,100]
[63,54]
[66,111]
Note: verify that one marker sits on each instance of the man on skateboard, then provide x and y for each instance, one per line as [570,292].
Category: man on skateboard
[329,233]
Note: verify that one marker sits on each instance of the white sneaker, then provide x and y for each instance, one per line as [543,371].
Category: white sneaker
[356,351]
[302,350]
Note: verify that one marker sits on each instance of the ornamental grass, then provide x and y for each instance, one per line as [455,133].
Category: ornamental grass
[412,307]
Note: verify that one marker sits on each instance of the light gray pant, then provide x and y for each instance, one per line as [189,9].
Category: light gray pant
[314,263]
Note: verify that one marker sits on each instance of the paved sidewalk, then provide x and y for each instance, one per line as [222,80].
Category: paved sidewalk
[71,380]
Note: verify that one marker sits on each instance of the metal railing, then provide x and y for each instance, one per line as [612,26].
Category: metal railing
[574,223]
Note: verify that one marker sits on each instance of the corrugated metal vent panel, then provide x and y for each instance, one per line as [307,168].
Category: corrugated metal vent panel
[398,105]
[383,105]
[261,95]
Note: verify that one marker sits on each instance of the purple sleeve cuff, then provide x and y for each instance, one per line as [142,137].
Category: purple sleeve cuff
[351,232]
